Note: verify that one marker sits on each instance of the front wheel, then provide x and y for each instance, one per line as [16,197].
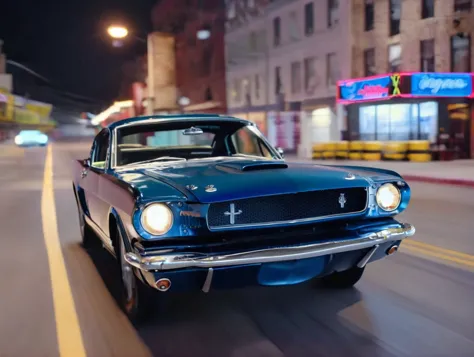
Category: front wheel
[135,301]
[343,279]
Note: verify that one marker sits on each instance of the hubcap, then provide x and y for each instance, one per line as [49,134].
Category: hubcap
[127,273]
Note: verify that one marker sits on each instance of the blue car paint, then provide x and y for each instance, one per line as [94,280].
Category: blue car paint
[167,183]
[234,179]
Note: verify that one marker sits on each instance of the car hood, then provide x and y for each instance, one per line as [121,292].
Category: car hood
[237,178]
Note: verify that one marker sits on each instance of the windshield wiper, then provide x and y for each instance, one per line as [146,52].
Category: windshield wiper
[158,159]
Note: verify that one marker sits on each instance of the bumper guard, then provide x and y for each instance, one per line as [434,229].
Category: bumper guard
[170,261]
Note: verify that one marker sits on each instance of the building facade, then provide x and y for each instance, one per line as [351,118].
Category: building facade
[200,66]
[283,60]
[298,56]
[425,46]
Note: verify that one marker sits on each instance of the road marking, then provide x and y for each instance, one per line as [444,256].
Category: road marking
[455,253]
[68,331]
[432,251]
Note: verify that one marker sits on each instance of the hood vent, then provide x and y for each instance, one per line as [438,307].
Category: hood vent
[253,166]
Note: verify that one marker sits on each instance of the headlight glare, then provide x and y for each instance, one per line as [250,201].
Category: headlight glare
[157,219]
[388,197]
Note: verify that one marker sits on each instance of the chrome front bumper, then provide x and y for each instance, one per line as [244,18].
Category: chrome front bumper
[170,261]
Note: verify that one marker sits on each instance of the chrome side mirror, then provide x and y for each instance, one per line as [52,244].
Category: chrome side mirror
[281,152]
[87,162]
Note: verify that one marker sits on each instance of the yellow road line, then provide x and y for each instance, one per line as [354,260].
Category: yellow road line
[434,248]
[438,255]
[68,331]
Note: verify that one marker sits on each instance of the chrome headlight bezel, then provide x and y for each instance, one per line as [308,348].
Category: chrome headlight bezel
[160,211]
[397,197]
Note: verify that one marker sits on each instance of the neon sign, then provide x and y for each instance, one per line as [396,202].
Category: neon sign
[365,89]
[406,85]
[441,84]
[395,78]
[373,91]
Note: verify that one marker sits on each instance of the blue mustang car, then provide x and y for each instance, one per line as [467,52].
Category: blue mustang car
[202,202]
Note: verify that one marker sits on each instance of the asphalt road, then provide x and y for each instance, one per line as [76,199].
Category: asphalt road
[418,302]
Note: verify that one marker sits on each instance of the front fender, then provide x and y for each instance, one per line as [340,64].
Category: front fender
[125,238]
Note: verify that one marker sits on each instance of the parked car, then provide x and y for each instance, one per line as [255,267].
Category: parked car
[31,138]
[202,202]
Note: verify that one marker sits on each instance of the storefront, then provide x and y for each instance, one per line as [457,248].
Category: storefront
[411,106]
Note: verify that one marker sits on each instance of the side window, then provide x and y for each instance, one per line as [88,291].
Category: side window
[246,142]
[101,145]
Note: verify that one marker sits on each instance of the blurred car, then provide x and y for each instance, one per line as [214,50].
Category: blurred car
[201,202]
[31,138]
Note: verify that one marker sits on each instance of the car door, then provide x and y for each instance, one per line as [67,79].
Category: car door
[91,178]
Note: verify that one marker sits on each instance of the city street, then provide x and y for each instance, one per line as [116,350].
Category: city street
[418,302]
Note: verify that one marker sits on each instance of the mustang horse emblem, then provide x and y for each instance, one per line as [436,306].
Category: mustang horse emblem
[342,200]
[232,213]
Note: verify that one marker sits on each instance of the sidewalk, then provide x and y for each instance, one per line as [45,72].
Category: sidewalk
[459,172]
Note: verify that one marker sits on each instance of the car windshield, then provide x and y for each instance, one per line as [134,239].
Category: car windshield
[30,133]
[187,140]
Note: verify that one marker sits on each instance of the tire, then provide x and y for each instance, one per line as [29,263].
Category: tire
[135,300]
[87,236]
[344,279]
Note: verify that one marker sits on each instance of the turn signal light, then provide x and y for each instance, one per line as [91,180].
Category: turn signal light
[163,284]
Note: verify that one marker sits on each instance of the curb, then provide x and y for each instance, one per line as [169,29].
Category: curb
[441,181]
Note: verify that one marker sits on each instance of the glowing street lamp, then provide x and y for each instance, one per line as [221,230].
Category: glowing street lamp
[117,32]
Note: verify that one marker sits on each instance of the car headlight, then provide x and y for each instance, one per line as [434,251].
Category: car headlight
[388,197]
[157,219]
[18,140]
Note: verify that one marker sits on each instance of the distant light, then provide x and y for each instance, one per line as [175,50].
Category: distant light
[203,34]
[183,101]
[117,31]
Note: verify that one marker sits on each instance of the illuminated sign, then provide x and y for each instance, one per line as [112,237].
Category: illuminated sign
[365,89]
[441,84]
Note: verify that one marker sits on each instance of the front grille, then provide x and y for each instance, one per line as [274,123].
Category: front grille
[288,207]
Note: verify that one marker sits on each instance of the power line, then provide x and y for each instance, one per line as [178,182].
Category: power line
[44,79]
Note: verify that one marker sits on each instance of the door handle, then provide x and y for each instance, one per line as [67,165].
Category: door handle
[84,173]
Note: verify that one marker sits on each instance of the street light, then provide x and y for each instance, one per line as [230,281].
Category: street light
[117,32]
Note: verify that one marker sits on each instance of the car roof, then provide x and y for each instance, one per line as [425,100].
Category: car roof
[145,119]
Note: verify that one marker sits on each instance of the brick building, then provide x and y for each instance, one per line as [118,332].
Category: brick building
[200,66]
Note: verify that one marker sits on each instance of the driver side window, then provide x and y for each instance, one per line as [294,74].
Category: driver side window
[245,142]
[101,146]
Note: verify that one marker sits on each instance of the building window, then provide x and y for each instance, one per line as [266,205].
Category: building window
[278,83]
[276,32]
[427,56]
[293,26]
[208,95]
[236,91]
[246,92]
[462,5]
[253,41]
[332,68]
[257,86]
[395,14]
[310,75]
[206,61]
[394,57]
[369,62]
[427,8]
[333,12]
[296,77]
[398,121]
[369,15]
[308,19]
[460,54]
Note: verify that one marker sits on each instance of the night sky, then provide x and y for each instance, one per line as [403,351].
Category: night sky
[66,42]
